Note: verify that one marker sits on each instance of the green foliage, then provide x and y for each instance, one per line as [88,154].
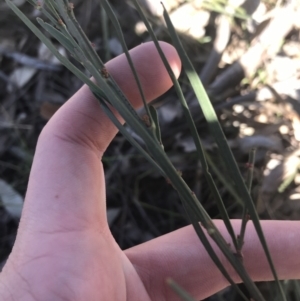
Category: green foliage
[63,26]
[225,8]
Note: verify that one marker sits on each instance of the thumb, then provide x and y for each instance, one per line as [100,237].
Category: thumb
[82,119]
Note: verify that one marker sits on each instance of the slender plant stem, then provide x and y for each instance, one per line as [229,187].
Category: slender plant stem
[245,215]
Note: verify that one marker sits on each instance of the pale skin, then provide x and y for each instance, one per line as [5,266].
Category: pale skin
[64,249]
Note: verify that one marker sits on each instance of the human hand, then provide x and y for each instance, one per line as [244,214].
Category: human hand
[64,249]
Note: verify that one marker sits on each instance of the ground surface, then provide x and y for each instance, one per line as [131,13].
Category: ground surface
[251,70]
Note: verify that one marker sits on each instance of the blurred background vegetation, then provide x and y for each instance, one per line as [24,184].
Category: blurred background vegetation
[247,54]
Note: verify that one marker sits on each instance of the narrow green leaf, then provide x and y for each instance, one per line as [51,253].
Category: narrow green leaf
[49,16]
[222,178]
[184,295]
[62,39]
[50,6]
[217,132]
[43,10]
[296,284]
[245,215]
[221,8]
[210,250]
[32,2]
[65,9]
[105,33]
[154,117]
[250,169]
[118,29]
[58,22]
[285,184]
